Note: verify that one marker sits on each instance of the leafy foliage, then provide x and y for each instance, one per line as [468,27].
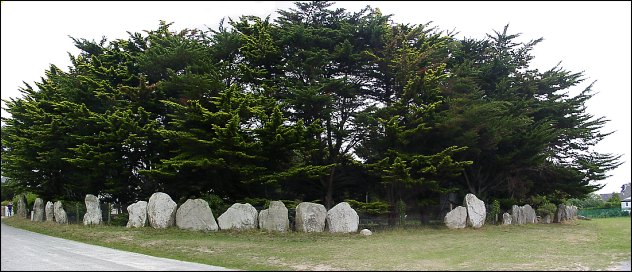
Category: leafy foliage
[316,105]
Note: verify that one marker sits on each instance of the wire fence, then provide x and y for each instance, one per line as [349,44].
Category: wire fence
[603,213]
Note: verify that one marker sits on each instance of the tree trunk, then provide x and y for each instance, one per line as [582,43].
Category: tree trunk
[329,201]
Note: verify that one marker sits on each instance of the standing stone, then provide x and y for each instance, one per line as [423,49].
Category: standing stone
[195,214]
[238,216]
[310,217]
[60,214]
[342,218]
[476,212]
[38,209]
[529,214]
[456,218]
[573,212]
[137,214]
[50,212]
[366,232]
[161,211]
[518,216]
[507,219]
[560,214]
[275,218]
[93,214]
[22,211]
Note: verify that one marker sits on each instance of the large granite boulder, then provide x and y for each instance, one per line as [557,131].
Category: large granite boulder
[137,214]
[238,216]
[50,212]
[517,215]
[560,214]
[529,214]
[22,211]
[342,218]
[38,210]
[161,211]
[456,218]
[310,217]
[476,212]
[275,217]
[60,213]
[507,219]
[195,214]
[573,212]
[93,215]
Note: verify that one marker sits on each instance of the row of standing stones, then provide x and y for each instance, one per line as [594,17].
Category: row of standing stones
[195,214]
[474,214]
[53,212]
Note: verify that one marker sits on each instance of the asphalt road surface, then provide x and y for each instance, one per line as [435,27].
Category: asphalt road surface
[25,250]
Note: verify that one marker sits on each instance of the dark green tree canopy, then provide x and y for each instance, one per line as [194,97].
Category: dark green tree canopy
[319,104]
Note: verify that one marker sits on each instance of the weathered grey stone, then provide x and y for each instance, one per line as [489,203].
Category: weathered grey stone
[456,218]
[529,214]
[476,212]
[507,219]
[571,212]
[310,217]
[239,217]
[195,214]
[342,218]
[366,232]
[93,214]
[560,214]
[38,210]
[518,216]
[22,211]
[161,211]
[137,214]
[275,218]
[50,212]
[60,214]
[546,219]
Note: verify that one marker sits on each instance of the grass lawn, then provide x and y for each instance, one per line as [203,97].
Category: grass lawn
[576,245]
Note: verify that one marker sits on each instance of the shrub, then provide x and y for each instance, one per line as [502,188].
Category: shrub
[372,208]
[546,209]
[494,211]
[74,210]
[217,204]
[30,200]
[119,219]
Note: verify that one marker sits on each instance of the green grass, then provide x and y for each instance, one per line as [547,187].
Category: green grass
[577,245]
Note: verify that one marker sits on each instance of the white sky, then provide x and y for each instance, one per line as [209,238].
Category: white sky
[593,37]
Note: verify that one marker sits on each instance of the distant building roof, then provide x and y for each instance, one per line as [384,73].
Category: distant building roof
[627,199]
[605,197]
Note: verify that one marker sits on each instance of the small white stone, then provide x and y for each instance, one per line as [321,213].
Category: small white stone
[366,232]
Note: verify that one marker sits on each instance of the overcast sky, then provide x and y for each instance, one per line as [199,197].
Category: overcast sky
[593,37]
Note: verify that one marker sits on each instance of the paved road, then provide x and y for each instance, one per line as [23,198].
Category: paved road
[25,250]
[622,266]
